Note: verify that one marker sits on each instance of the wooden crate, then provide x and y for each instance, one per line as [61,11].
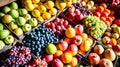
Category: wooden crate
[5,2]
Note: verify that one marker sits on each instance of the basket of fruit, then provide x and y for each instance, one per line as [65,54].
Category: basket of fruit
[101,56]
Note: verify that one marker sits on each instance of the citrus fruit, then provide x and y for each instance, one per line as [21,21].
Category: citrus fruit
[58,54]
[66,57]
[70,32]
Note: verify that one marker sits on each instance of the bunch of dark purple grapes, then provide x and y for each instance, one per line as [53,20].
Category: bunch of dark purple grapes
[18,56]
[82,9]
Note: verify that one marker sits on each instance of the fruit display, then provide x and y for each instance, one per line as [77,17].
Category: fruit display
[18,19]
[100,56]
[104,14]
[111,38]
[6,37]
[60,33]
[39,38]
[94,26]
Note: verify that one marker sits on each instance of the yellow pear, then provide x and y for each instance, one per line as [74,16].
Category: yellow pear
[85,46]
[29,7]
[42,9]
[74,1]
[68,4]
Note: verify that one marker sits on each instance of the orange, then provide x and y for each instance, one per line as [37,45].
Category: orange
[68,40]
[104,5]
[70,32]
[113,42]
[58,54]
[81,52]
[66,57]
[74,62]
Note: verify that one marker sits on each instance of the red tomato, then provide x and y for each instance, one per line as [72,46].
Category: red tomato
[109,19]
[104,5]
[107,23]
[117,21]
[105,14]
[103,19]
[112,12]
[100,9]
[98,14]
[107,10]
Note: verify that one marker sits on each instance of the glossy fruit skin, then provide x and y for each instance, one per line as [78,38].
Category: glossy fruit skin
[14,5]
[77,40]
[70,32]
[57,63]
[33,22]
[73,49]
[9,39]
[20,21]
[48,58]
[66,57]
[14,13]
[94,58]
[2,44]
[7,19]
[51,49]
[62,45]
[4,33]
[79,29]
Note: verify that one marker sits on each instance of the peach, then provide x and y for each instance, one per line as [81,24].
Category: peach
[68,40]
[73,49]
[62,45]
[48,58]
[57,63]
[113,42]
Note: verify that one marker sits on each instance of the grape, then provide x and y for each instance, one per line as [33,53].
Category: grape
[18,56]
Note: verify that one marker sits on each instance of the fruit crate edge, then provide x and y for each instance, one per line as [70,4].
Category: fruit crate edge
[5,2]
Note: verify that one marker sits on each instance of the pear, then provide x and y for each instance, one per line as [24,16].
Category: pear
[13,26]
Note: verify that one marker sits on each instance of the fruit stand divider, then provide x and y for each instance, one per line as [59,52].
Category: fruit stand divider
[10,45]
[5,2]
[16,43]
[99,43]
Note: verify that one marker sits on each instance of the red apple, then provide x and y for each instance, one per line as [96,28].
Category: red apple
[57,20]
[77,12]
[71,9]
[48,24]
[77,40]
[58,32]
[52,25]
[94,58]
[57,63]
[58,27]
[79,29]
[117,21]
[79,17]
[71,16]
[65,23]
[117,48]
[48,58]
[62,45]
[106,40]
[53,29]
[107,34]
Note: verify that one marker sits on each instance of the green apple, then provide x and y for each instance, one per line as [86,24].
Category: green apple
[4,33]
[14,13]
[7,19]
[9,39]
[14,5]
[27,17]
[116,29]
[1,14]
[2,44]
[20,21]
[26,27]
[33,22]
[80,66]
[1,26]
[51,49]
[18,31]
[22,11]
[13,26]
[118,41]
[6,9]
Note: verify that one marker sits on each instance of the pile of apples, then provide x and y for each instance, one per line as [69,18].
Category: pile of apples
[111,37]
[17,19]
[41,9]
[5,37]
[104,14]
[64,53]
[58,26]
[101,57]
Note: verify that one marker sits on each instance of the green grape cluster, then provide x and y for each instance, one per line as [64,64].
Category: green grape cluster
[94,26]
